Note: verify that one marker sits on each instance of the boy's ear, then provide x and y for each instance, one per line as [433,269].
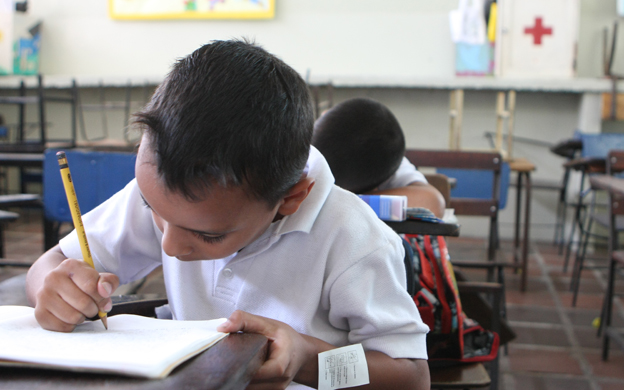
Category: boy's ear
[295,196]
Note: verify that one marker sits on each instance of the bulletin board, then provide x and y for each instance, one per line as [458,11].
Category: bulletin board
[191,9]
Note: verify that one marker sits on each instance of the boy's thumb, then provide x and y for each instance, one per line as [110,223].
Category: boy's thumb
[107,284]
[241,321]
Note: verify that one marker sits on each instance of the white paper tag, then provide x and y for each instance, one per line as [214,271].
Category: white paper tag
[342,367]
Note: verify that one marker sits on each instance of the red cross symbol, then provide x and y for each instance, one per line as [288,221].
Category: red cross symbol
[538,31]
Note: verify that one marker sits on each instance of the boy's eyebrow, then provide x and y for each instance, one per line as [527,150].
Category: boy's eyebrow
[190,230]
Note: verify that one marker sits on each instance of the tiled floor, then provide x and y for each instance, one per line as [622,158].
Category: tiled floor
[556,345]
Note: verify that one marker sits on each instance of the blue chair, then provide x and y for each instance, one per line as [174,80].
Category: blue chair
[479,190]
[97,175]
[599,145]
[477,183]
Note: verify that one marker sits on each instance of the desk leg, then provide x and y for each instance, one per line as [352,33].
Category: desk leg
[517,221]
[525,242]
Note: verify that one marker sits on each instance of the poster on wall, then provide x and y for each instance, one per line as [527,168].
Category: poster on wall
[6,36]
[191,9]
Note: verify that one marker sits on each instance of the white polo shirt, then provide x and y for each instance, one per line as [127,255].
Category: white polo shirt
[405,175]
[332,270]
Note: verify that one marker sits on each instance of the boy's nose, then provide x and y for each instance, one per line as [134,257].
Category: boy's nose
[174,243]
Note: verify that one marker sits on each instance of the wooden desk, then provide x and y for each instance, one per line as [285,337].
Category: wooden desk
[523,167]
[420,227]
[230,364]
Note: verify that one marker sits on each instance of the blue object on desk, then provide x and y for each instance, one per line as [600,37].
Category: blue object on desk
[96,176]
[387,207]
[476,183]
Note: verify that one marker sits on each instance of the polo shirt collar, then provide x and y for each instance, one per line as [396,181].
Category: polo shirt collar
[303,219]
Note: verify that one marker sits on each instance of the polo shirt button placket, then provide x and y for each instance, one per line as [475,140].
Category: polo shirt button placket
[228,273]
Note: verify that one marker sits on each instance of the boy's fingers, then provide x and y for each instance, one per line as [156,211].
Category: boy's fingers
[67,285]
[276,368]
[57,315]
[107,283]
[50,322]
[81,274]
[78,299]
[241,321]
[98,286]
[82,288]
[67,314]
[72,292]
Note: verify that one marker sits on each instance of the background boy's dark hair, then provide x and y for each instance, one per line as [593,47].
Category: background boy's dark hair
[362,142]
[231,114]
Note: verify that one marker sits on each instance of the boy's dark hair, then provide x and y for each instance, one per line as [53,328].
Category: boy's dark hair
[230,114]
[362,142]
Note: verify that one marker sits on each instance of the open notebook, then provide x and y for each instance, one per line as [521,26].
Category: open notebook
[132,345]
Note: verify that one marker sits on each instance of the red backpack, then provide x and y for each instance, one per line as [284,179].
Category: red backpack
[452,336]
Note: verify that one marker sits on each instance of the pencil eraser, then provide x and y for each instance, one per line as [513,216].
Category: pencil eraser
[387,207]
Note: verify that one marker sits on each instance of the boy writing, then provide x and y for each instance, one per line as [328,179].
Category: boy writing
[364,146]
[244,217]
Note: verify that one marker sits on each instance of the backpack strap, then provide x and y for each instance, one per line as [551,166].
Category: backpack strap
[408,260]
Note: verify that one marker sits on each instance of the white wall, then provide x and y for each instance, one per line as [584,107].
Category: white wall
[549,117]
[345,37]
[328,37]
[407,38]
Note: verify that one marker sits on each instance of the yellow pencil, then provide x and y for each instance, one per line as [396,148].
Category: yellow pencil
[76,217]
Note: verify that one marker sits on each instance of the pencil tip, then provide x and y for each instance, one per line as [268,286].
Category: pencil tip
[105,322]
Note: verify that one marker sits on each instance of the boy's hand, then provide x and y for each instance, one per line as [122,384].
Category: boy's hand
[292,356]
[72,292]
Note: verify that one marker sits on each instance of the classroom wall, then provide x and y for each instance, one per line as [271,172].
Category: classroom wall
[346,37]
[325,37]
[549,117]
[404,38]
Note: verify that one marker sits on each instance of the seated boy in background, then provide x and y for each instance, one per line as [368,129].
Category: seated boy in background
[244,217]
[364,146]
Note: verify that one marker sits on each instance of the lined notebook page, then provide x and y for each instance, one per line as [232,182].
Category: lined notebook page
[132,345]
